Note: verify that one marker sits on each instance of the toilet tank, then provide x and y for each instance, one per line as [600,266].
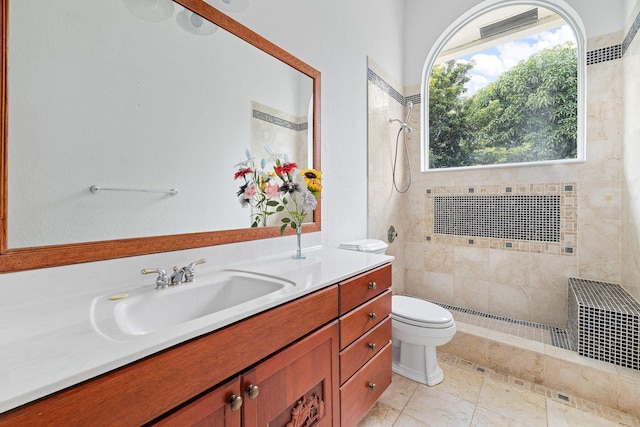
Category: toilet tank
[366,245]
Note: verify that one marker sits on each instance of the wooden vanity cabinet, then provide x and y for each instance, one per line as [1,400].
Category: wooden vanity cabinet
[214,408]
[293,386]
[365,342]
[322,359]
[144,390]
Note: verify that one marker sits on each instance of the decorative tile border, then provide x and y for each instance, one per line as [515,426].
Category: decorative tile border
[631,34]
[386,87]
[278,121]
[567,192]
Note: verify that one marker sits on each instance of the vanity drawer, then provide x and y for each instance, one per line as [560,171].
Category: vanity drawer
[359,394]
[365,317]
[358,353]
[359,289]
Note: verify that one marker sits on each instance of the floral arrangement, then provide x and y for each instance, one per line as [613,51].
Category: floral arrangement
[278,187]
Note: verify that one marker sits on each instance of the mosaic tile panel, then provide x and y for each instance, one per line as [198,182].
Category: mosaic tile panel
[604,54]
[539,218]
[604,322]
[517,217]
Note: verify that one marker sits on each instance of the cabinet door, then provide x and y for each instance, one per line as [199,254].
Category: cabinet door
[296,387]
[218,407]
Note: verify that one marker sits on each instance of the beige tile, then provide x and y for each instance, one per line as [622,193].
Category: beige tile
[526,407]
[599,239]
[380,415]
[509,267]
[439,258]
[468,347]
[433,286]
[583,381]
[471,293]
[437,408]
[560,415]
[518,342]
[486,418]
[406,421]
[472,262]
[471,329]
[519,362]
[509,300]
[399,392]
[551,272]
[602,269]
[548,306]
[628,395]
[461,383]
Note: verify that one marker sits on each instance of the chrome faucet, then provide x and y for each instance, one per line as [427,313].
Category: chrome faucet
[178,275]
[190,270]
[185,274]
[162,281]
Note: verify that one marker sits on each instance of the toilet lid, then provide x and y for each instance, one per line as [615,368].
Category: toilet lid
[418,310]
[366,245]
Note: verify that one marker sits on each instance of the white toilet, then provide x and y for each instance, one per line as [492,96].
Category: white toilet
[417,327]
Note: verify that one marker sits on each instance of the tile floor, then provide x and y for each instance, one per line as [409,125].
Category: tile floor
[475,396]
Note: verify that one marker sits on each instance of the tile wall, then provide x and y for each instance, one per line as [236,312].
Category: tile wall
[386,206]
[523,285]
[630,186]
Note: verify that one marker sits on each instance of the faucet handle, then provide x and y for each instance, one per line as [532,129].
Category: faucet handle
[190,270]
[162,281]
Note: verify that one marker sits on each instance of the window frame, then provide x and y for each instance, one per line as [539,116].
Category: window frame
[572,19]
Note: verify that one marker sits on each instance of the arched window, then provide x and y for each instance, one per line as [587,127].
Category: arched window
[505,85]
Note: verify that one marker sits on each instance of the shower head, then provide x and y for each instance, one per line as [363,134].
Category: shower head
[410,107]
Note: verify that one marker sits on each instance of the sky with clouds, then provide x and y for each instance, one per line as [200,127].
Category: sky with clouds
[491,63]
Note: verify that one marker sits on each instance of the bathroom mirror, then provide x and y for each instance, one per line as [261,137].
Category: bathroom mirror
[153,106]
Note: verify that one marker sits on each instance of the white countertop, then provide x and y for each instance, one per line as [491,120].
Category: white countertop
[48,340]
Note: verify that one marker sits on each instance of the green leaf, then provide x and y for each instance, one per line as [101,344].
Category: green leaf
[272,203]
[286,220]
[282,228]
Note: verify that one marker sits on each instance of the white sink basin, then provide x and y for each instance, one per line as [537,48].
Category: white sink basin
[223,294]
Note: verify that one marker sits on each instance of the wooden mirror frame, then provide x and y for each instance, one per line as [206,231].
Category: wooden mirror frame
[56,255]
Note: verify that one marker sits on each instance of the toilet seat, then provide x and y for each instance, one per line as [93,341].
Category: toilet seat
[421,313]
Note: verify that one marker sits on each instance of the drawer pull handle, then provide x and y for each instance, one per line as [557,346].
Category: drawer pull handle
[253,391]
[372,346]
[373,285]
[372,316]
[235,402]
[372,386]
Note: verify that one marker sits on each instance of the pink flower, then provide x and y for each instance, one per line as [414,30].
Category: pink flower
[250,191]
[272,191]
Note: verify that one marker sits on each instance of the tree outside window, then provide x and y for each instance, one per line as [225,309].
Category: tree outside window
[528,112]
